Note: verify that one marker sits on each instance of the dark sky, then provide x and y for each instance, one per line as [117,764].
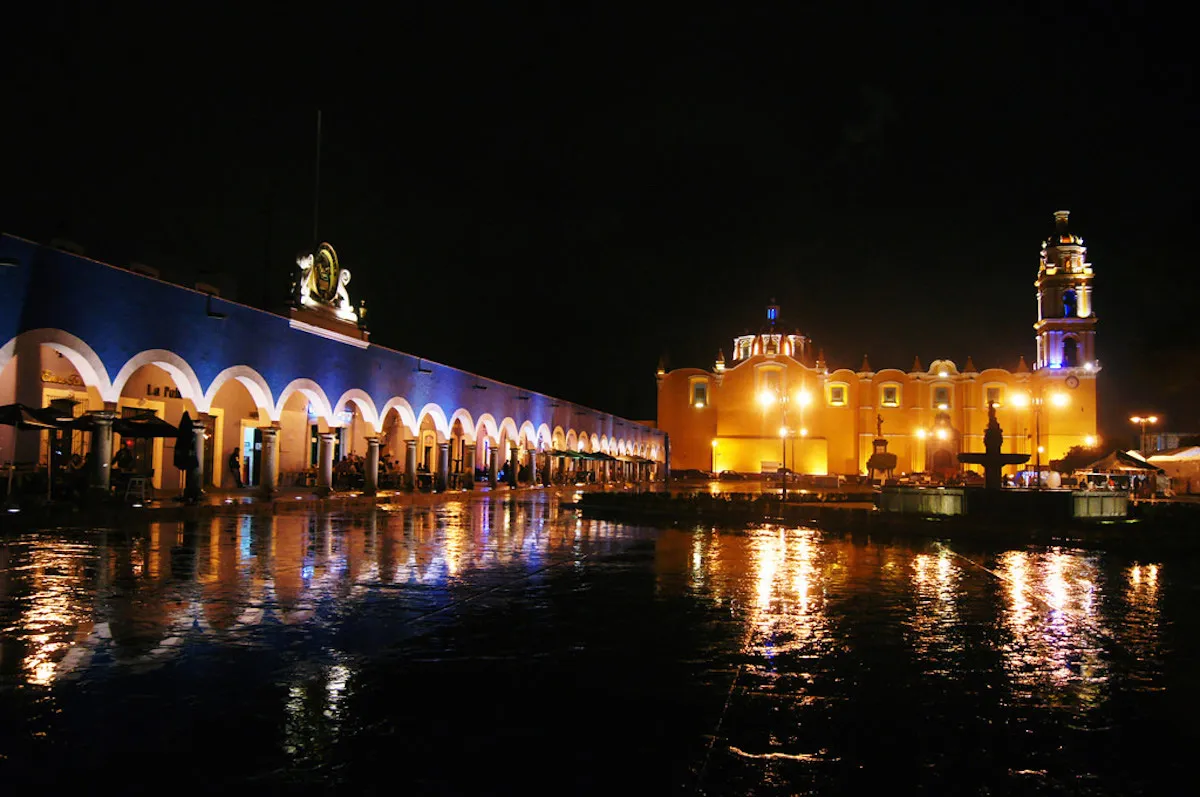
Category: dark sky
[556,196]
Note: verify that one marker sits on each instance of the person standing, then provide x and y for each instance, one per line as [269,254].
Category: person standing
[235,468]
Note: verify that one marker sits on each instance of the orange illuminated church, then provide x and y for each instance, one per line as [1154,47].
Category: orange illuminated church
[777,402]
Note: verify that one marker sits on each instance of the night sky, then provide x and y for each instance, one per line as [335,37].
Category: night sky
[555,197]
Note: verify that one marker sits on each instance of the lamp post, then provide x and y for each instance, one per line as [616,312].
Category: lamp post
[1057,399]
[1142,420]
[783,471]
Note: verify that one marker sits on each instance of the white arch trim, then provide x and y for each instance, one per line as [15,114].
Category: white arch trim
[545,438]
[508,428]
[78,353]
[490,431]
[468,424]
[558,439]
[365,404]
[407,417]
[182,373]
[313,392]
[439,419]
[254,383]
[529,433]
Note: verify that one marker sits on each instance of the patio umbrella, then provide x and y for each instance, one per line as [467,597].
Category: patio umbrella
[143,426]
[24,417]
[185,455]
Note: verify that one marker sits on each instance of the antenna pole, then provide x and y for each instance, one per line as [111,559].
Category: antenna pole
[317,182]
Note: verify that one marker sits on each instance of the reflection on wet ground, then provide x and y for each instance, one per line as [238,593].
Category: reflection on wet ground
[496,647]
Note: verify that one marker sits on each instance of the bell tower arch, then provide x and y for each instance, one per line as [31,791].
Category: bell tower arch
[1066,320]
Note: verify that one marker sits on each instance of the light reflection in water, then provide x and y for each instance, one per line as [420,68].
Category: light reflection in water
[1054,648]
[787,613]
[935,624]
[140,597]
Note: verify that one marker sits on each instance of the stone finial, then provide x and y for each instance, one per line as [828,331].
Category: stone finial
[866,365]
[1060,219]
[662,366]
[917,367]
[720,364]
[970,368]
[1022,368]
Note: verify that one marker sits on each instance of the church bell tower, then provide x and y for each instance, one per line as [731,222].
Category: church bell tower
[1066,322]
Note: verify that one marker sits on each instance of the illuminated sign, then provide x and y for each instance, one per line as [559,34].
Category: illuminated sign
[74,380]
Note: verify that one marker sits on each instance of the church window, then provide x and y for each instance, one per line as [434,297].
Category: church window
[889,396]
[993,396]
[1070,357]
[941,397]
[743,349]
[699,393]
[837,395]
[769,381]
[1070,303]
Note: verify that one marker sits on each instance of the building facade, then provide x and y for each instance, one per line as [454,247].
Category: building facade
[289,393]
[778,403]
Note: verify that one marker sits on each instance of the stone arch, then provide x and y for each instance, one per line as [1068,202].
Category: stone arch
[315,395]
[621,447]
[508,429]
[604,443]
[558,439]
[594,442]
[365,404]
[254,383]
[490,431]
[78,353]
[185,378]
[404,410]
[438,416]
[468,424]
[530,435]
[572,441]
[544,437]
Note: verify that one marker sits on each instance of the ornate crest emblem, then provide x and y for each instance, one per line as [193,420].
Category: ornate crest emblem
[322,283]
[326,273]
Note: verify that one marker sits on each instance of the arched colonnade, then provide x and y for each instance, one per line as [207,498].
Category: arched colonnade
[300,432]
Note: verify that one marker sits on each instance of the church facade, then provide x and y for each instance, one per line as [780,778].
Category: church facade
[777,403]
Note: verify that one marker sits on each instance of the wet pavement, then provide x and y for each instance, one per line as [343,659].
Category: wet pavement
[506,645]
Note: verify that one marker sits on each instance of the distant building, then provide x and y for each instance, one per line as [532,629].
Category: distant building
[777,401]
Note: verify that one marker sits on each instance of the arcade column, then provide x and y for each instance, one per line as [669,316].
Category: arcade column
[270,464]
[533,468]
[198,425]
[493,466]
[102,453]
[443,466]
[371,472]
[410,464]
[469,465]
[514,464]
[325,452]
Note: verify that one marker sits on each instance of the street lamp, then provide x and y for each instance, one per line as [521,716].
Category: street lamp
[1057,399]
[783,471]
[1142,420]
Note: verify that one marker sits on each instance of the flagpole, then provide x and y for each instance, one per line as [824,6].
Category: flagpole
[317,182]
